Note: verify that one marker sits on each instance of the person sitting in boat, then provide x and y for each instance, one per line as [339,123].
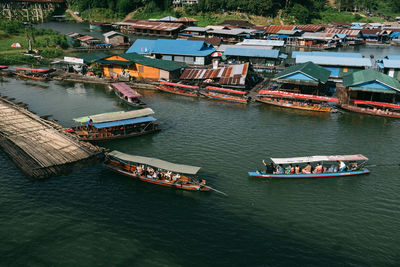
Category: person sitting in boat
[341,166]
[307,168]
[353,166]
[168,175]
[318,168]
[297,169]
[289,169]
[139,170]
[279,169]
[176,177]
[269,167]
[155,175]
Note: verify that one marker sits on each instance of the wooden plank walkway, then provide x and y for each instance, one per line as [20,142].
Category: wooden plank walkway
[39,147]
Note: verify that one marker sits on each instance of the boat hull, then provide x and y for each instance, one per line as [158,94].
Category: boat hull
[380,113]
[190,187]
[31,77]
[177,91]
[307,176]
[301,107]
[132,104]
[115,137]
[225,98]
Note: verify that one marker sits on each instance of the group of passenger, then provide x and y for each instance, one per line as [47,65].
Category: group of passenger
[149,172]
[308,169]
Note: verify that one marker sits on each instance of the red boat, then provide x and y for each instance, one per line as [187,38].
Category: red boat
[225,94]
[34,74]
[374,108]
[297,101]
[179,89]
[167,173]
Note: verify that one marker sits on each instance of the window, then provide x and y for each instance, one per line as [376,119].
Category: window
[140,68]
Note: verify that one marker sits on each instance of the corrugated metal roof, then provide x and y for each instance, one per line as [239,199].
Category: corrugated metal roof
[251,52]
[335,61]
[156,63]
[152,25]
[123,122]
[326,54]
[310,27]
[309,69]
[393,57]
[223,47]
[111,33]
[277,28]
[394,64]
[318,36]
[186,19]
[232,31]
[348,32]
[227,75]
[92,57]
[142,46]
[258,42]
[196,29]
[287,32]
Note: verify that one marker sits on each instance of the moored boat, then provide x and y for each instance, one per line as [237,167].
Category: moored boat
[179,89]
[297,101]
[34,74]
[225,94]
[115,125]
[166,173]
[127,94]
[275,169]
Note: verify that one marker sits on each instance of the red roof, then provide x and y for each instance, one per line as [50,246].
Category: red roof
[299,96]
[36,70]
[276,28]
[125,89]
[310,27]
[152,25]
[3,67]
[348,32]
[226,90]
[372,31]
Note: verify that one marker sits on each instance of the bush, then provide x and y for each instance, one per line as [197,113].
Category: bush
[51,53]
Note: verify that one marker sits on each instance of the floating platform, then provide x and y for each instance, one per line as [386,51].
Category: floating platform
[39,147]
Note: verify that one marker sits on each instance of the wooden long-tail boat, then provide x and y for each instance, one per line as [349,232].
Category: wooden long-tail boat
[297,101]
[115,125]
[178,89]
[33,74]
[225,94]
[373,108]
[127,94]
[350,170]
[166,173]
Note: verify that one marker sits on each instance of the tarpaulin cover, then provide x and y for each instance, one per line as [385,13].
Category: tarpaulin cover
[373,103]
[226,90]
[300,96]
[123,122]
[157,163]
[35,70]
[126,90]
[180,85]
[116,116]
[319,158]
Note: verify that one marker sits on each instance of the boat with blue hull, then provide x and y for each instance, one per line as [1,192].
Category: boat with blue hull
[276,170]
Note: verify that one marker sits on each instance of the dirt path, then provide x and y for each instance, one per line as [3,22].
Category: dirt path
[74,16]
[130,15]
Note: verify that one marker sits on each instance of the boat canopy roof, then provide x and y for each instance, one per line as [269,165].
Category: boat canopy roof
[179,85]
[226,90]
[33,70]
[298,96]
[123,122]
[319,158]
[116,116]
[125,89]
[157,163]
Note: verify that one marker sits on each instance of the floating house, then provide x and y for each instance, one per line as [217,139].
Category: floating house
[319,40]
[262,43]
[232,35]
[375,36]
[370,92]
[243,24]
[310,27]
[390,65]
[115,38]
[190,52]
[338,63]
[353,36]
[196,31]
[302,86]
[138,67]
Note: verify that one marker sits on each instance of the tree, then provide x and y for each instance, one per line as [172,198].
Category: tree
[300,13]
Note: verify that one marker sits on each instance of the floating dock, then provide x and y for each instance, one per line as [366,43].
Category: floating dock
[39,147]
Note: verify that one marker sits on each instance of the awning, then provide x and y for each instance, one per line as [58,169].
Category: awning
[319,158]
[226,90]
[123,122]
[157,163]
[125,89]
[379,104]
[116,116]
[33,70]
[299,96]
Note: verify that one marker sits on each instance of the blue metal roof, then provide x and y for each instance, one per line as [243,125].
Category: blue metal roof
[327,54]
[391,63]
[142,46]
[395,57]
[251,52]
[171,47]
[335,61]
[394,35]
[124,122]
[356,27]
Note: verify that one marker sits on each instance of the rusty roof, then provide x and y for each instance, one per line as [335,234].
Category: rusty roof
[152,25]
[226,75]
[186,19]
[348,32]
[310,27]
[86,38]
[276,28]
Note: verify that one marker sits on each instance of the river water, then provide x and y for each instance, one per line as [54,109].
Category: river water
[93,217]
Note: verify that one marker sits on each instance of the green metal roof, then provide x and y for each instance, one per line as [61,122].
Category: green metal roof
[309,69]
[116,62]
[92,57]
[364,76]
[157,63]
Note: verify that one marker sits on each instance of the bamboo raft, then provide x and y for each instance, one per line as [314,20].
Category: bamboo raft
[37,146]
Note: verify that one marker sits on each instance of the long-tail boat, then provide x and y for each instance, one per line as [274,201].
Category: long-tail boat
[33,74]
[225,94]
[351,169]
[166,173]
[127,94]
[4,72]
[115,125]
[179,89]
[297,101]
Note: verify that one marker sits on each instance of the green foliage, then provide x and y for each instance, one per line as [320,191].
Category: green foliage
[301,13]
[17,59]
[51,53]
